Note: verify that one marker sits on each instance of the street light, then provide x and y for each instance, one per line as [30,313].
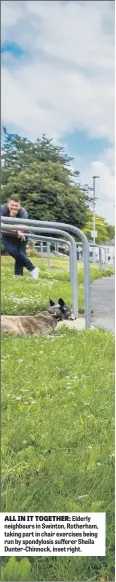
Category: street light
[94,233]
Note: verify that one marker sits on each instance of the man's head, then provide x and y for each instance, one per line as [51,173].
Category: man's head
[13,205]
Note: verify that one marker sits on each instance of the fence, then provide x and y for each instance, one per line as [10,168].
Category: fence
[65,229]
[103,249]
[49,241]
[74,258]
[93,258]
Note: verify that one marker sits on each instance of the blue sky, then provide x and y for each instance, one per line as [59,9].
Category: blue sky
[12,48]
[58,79]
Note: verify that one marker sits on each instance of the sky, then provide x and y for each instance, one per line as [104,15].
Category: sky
[57,75]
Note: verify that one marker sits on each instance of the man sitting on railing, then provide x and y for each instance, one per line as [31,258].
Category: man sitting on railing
[15,244]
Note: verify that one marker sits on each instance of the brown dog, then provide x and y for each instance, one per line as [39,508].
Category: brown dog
[40,324]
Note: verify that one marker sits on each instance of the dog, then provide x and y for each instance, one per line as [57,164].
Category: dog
[60,310]
[41,324]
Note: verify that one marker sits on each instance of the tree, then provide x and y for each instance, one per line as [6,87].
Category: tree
[110,231]
[101,228]
[40,173]
[19,152]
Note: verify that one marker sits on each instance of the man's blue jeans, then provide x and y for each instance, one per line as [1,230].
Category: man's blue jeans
[17,249]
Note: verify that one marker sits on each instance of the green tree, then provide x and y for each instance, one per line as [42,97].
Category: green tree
[19,152]
[101,228]
[110,231]
[40,173]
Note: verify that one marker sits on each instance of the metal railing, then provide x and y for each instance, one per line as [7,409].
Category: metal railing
[103,264]
[12,227]
[34,225]
[51,240]
[93,246]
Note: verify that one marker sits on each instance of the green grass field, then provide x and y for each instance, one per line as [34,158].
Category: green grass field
[23,295]
[57,423]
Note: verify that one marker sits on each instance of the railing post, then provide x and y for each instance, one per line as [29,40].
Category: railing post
[41,245]
[100,259]
[32,228]
[86,285]
[76,232]
[48,254]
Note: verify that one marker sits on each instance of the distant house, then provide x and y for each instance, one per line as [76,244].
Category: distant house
[107,253]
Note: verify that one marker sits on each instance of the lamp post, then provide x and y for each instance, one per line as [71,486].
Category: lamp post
[94,234]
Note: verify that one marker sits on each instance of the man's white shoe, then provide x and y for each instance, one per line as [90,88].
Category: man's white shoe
[35,273]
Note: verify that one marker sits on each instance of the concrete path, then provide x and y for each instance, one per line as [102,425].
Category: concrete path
[103,303]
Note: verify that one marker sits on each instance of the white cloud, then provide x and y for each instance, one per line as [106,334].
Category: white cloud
[43,97]
[105,185]
[11,14]
[74,85]
[67,81]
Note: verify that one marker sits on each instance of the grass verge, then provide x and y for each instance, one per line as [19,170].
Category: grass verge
[57,427]
[23,295]
[58,436]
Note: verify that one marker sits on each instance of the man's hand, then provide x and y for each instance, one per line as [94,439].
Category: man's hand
[7,231]
[21,234]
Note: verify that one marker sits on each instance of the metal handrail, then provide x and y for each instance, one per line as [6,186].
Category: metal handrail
[51,240]
[74,253]
[76,232]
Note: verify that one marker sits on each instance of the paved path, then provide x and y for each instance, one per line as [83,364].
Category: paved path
[103,303]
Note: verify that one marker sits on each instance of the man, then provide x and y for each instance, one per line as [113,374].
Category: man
[15,241]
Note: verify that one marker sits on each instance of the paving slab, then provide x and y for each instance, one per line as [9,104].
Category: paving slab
[73,324]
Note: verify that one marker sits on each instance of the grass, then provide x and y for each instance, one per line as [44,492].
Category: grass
[57,426]
[25,296]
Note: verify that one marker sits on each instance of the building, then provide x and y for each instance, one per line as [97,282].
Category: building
[107,253]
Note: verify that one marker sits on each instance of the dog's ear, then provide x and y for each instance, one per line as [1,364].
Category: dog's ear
[61,303]
[51,303]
